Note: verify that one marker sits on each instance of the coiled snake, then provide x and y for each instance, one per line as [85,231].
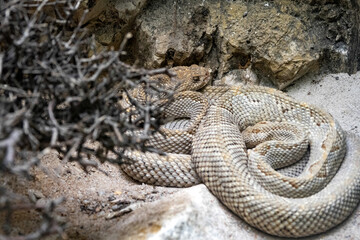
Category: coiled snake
[267,157]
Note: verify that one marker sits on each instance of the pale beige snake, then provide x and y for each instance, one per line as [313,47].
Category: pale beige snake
[293,202]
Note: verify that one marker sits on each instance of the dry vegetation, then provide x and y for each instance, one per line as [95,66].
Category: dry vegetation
[57,92]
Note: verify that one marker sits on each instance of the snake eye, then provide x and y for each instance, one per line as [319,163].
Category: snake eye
[196,79]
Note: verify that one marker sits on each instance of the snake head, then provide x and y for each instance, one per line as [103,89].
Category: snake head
[191,78]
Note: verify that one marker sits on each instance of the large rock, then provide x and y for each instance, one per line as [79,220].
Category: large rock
[193,213]
[283,40]
[276,42]
[110,20]
[170,33]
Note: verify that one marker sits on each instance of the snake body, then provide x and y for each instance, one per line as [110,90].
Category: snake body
[302,199]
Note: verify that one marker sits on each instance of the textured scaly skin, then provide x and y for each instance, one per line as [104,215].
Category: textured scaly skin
[222,164]
[172,170]
[282,205]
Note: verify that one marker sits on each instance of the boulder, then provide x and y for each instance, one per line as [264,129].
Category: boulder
[172,34]
[109,20]
[283,40]
[192,213]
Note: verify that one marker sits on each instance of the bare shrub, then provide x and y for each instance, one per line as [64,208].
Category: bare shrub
[58,92]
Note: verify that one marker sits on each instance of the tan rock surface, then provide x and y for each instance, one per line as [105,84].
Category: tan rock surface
[283,40]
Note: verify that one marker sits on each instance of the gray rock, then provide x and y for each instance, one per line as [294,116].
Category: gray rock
[194,213]
[173,33]
[277,42]
[239,77]
[110,20]
[284,39]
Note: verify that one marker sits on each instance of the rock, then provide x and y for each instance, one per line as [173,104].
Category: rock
[128,10]
[238,77]
[276,42]
[194,213]
[284,40]
[110,20]
[171,33]
[94,10]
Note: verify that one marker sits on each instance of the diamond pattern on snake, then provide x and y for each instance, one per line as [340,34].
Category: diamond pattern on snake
[274,161]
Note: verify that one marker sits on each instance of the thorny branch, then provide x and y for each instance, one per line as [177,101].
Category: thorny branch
[58,92]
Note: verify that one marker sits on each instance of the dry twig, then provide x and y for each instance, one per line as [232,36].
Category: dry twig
[54,94]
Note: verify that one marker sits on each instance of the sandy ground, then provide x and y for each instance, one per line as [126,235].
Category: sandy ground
[93,199]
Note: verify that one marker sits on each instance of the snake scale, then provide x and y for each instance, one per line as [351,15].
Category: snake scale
[275,162]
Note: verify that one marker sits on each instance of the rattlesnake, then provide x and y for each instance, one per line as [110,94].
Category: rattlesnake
[295,201]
